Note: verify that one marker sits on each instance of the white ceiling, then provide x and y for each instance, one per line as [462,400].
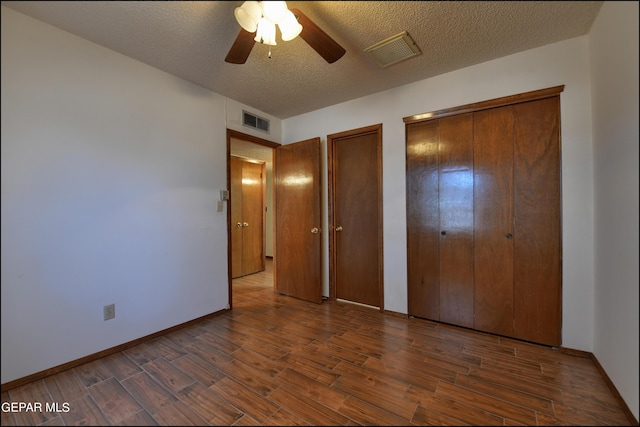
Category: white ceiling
[190,39]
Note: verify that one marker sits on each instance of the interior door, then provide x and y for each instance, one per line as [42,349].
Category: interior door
[253,237]
[357,215]
[236,217]
[247,216]
[298,240]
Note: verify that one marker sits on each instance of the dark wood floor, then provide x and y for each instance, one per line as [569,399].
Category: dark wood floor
[276,360]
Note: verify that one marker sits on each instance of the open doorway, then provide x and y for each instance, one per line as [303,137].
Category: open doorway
[250,151]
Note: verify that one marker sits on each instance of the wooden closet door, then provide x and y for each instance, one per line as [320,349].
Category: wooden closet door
[423,220]
[537,237]
[456,219]
[516,227]
[493,220]
[440,219]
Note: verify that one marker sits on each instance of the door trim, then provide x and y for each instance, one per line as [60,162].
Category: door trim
[373,129]
[259,141]
[484,105]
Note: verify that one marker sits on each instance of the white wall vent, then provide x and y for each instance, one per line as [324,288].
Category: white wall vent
[255,122]
[393,50]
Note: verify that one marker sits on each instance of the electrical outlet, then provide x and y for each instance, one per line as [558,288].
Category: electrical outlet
[109,311]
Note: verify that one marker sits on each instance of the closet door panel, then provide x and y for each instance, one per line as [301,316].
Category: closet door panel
[456,219]
[423,223]
[493,220]
[537,244]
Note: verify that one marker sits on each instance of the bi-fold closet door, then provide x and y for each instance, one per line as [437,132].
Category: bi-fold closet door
[484,216]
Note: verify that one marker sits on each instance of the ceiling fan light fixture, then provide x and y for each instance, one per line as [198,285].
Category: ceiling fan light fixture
[274,11]
[266,32]
[289,26]
[248,15]
[294,23]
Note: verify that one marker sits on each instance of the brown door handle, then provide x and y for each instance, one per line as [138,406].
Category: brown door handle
[509,235]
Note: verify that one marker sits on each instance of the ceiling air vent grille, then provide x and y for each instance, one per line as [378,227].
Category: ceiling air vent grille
[393,50]
[255,122]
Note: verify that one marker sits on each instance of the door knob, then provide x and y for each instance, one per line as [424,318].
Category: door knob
[315,230]
[239,225]
[509,235]
[339,228]
[443,232]
[246,224]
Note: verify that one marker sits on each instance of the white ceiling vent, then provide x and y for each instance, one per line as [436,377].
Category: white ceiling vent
[256,122]
[393,50]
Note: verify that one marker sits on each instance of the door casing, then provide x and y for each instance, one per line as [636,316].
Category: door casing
[253,139]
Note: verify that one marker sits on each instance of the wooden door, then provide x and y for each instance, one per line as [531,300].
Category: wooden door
[253,204]
[493,219]
[298,240]
[423,219]
[247,217]
[355,198]
[440,219]
[537,236]
[235,201]
[516,238]
[456,178]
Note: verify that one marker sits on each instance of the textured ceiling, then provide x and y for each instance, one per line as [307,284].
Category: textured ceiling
[191,39]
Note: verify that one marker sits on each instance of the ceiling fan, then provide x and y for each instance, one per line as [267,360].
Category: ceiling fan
[258,25]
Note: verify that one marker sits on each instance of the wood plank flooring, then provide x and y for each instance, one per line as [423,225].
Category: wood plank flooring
[276,360]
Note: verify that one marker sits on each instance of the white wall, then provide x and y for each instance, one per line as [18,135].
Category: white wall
[614,67]
[234,121]
[565,63]
[111,170]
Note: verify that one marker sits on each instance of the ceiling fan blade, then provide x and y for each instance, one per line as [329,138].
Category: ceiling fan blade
[241,48]
[320,41]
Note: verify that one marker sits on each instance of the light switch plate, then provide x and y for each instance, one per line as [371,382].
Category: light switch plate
[224,194]
[220,205]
